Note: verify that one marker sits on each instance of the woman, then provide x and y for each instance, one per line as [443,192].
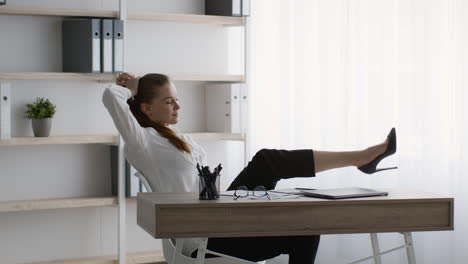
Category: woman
[143,110]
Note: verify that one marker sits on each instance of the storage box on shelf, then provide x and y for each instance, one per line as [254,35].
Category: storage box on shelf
[227,107]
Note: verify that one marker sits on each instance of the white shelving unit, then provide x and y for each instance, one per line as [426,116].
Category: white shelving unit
[119,201]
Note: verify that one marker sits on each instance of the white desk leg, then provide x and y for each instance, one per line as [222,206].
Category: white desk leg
[202,251]
[409,248]
[178,250]
[376,248]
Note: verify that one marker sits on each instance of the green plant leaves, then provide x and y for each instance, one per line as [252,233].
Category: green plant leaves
[40,108]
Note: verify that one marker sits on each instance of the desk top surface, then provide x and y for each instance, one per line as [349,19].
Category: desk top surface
[183,199]
[165,215]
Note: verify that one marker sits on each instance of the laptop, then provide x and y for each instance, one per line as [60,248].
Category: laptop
[343,193]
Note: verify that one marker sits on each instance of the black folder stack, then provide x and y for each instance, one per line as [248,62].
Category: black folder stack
[227,7]
[92,45]
[133,185]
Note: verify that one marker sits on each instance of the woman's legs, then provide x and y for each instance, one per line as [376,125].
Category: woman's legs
[326,160]
[301,249]
[266,168]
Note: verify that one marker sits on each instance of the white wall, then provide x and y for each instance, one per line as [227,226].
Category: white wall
[33,172]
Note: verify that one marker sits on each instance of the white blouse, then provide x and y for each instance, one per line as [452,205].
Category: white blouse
[166,168]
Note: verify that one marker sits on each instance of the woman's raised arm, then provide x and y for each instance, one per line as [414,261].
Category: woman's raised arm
[115,99]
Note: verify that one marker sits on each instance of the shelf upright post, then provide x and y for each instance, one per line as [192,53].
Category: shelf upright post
[122,250]
[122,205]
[247,87]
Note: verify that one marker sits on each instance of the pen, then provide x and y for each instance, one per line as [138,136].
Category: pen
[304,189]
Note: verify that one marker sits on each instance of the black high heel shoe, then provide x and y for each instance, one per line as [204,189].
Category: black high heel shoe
[371,167]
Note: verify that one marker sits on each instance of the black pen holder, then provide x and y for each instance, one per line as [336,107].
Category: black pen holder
[208,187]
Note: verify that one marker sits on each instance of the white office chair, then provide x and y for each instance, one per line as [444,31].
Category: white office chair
[173,249]
[377,254]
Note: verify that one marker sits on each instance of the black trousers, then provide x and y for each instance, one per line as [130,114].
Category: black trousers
[266,168]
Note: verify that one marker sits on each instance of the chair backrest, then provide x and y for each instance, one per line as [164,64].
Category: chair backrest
[168,245]
[144,181]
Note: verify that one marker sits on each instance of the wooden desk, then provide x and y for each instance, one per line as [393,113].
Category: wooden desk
[182,215]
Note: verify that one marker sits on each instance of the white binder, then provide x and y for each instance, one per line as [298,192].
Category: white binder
[233,124]
[5,110]
[245,7]
[96,53]
[223,108]
[236,8]
[118,45]
[244,108]
[106,46]
[135,184]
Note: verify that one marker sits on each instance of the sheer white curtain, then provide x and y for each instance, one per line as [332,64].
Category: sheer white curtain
[338,74]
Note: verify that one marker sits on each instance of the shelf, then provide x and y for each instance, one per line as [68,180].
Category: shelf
[54,140]
[60,12]
[103,139]
[110,77]
[187,18]
[132,15]
[61,203]
[153,257]
[218,136]
[100,77]
[207,77]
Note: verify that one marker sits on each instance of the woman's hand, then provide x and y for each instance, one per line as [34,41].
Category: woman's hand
[123,78]
[128,80]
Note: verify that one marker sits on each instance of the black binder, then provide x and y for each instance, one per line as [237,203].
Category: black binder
[223,7]
[133,185]
[81,47]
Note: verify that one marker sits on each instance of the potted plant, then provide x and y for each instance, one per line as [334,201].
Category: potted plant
[41,111]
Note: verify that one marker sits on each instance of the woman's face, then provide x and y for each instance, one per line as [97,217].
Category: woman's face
[164,108]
